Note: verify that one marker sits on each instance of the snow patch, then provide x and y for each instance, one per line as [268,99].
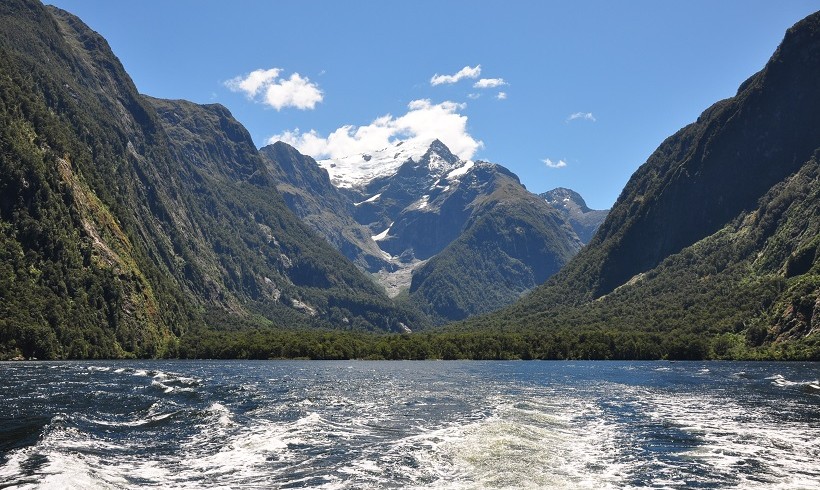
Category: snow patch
[458,172]
[423,202]
[360,169]
[369,199]
[382,235]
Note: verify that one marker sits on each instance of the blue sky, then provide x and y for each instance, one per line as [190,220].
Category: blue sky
[590,88]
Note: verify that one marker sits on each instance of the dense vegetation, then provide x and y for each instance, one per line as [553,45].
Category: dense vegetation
[61,294]
[513,242]
[716,236]
[574,344]
[126,221]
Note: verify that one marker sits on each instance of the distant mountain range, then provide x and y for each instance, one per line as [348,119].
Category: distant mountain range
[460,237]
[584,221]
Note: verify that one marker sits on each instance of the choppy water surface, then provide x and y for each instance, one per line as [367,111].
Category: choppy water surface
[409,424]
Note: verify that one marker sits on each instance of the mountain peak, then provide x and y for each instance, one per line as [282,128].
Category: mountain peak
[561,196]
[584,221]
[439,147]
[360,169]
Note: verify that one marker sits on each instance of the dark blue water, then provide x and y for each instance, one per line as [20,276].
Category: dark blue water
[357,424]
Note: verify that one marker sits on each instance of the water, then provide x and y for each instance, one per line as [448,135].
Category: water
[356,424]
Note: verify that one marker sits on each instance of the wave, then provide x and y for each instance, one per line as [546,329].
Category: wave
[780,380]
[321,429]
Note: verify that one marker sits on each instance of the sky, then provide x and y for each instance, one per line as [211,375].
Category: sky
[565,94]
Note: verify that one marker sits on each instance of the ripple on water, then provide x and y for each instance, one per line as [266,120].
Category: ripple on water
[439,425]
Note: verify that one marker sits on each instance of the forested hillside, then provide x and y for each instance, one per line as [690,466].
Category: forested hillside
[714,240]
[128,222]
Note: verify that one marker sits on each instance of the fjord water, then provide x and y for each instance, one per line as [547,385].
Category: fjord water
[356,424]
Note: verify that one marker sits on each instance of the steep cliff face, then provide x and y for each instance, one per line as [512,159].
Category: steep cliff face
[512,242]
[714,169]
[717,231]
[307,191]
[250,246]
[79,278]
[122,229]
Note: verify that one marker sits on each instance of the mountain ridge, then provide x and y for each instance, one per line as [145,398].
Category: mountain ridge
[439,220]
[122,231]
[714,238]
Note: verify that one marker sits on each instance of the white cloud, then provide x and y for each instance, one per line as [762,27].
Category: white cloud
[466,72]
[501,96]
[294,92]
[489,83]
[423,123]
[267,87]
[253,81]
[473,96]
[581,115]
[309,143]
[551,164]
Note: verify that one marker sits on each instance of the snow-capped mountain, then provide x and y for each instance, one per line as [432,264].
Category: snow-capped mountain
[355,171]
[435,219]
[584,221]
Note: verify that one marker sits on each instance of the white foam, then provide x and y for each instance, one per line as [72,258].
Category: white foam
[732,437]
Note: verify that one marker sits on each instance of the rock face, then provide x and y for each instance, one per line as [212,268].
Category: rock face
[710,171]
[584,221]
[307,191]
[440,222]
[126,222]
[721,221]
[511,242]
[408,212]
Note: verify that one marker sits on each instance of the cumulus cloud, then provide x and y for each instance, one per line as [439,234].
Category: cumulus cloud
[466,72]
[253,81]
[489,83]
[553,164]
[267,87]
[423,123]
[473,96]
[582,116]
[501,95]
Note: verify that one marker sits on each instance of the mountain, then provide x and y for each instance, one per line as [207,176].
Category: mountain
[358,170]
[584,221]
[308,192]
[127,222]
[510,242]
[421,208]
[717,233]
[461,237]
